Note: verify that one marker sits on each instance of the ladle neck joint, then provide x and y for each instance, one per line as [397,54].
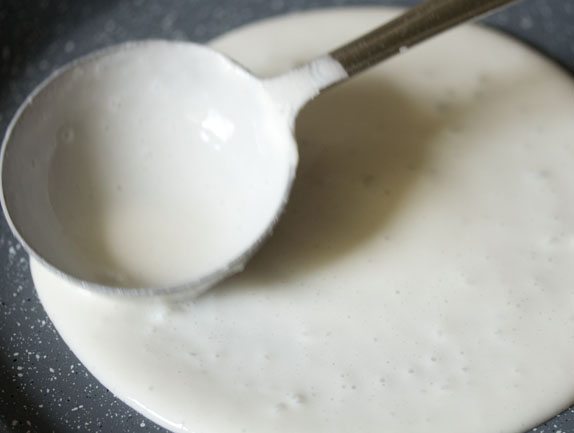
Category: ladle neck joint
[292,90]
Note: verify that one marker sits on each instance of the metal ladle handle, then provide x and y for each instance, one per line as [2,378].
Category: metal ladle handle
[417,24]
[295,88]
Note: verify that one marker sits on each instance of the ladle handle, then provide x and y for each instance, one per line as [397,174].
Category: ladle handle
[292,90]
[417,24]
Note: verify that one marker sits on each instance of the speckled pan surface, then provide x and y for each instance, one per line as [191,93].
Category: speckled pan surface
[43,387]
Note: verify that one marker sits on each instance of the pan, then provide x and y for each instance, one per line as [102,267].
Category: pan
[43,387]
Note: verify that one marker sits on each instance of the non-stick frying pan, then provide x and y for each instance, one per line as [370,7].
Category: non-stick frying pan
[43,387]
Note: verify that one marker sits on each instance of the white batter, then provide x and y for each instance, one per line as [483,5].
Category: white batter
[420,281]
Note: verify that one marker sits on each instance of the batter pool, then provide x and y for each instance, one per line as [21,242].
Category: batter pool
[421,279]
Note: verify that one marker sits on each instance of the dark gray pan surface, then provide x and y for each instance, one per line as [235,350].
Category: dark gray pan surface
[43,387]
